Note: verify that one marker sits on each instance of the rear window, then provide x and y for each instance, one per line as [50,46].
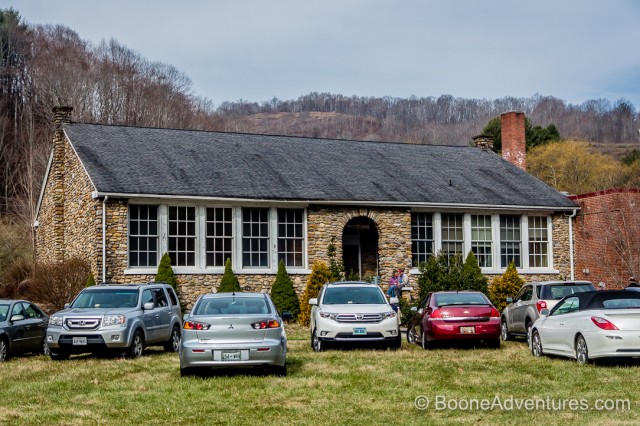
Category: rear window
[353,295]
[460,299]
[232,306]
[558,291]
[621,304]
[107,299]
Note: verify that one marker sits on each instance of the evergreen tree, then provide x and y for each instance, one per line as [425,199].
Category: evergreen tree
[505,286]
[165,272]
[91,281]
[472,276]
[335,266]
[229,282]
[320,275]
[283,293]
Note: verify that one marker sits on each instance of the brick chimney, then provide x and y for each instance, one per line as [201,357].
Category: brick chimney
[61,115]
[513,138]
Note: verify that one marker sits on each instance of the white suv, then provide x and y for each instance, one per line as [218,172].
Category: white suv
[353,312]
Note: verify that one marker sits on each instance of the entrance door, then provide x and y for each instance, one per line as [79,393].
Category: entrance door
[360,248]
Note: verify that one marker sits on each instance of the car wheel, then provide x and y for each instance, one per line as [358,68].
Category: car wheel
[174,341]
[396,343]
[528,328]
[316,343]
[494,343]
[4,351]
[59,356]
[137,345]
[504,331]
[44,349]
[279,370]
[411,335]
[189,371]
[425,343]
[582,352]
[536,343]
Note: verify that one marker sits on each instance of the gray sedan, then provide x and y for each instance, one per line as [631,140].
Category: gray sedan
[22,328]
[228,330]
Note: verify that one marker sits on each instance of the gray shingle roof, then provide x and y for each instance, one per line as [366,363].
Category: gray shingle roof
[143,161]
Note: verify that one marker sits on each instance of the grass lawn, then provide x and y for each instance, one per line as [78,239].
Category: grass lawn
[332,387]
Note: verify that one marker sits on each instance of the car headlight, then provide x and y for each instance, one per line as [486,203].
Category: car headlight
[329,315]
[55,320]
[112,320]
[386,315]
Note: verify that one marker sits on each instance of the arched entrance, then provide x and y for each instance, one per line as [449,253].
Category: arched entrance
[360,248]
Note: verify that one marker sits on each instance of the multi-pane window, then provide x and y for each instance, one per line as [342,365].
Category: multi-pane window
[452,234]
[182,235]
[219,236]
[255,237]
[482,239]
[538,242]
[291,237]
[421,237]
[510,241]
[143,235]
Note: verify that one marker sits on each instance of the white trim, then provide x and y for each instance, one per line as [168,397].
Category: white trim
[183,270]
[36,222]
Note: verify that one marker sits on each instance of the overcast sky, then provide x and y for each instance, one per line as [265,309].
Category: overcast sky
[255,50]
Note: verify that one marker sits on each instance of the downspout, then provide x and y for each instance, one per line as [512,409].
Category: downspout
[104,239]
[575,212]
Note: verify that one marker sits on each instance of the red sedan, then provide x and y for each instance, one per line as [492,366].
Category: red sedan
[454,316]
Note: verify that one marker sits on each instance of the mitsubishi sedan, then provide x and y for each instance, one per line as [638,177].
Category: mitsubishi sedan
[590,325]
[229,330]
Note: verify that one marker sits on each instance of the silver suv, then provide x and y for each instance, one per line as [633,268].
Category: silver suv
[353,312]
[116,318]
[523,310]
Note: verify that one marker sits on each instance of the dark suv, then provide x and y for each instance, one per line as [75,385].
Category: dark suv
[116,318]
[523,310]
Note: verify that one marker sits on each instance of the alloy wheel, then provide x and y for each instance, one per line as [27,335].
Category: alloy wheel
[536,344]
[582,352]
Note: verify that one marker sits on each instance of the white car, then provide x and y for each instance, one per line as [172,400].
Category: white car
[353,312]
[590,325]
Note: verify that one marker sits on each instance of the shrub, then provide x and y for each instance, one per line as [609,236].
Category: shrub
[283,293]
[336,267]
[54,284]
[165,272]
[472,276]
[444,273]
[91,281]
[505,286]
[229,281]
[320,275]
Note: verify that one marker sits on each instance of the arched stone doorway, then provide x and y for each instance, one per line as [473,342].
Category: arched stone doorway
[360,247]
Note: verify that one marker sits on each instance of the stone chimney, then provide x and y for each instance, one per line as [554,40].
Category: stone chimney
[513,138]
[61,115]
[483,142]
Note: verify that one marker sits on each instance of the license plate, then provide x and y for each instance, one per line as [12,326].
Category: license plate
[230,356]
[80,341]
[467,330]
[359,331]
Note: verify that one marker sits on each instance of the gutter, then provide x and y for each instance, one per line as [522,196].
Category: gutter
[104,239]
[575,212]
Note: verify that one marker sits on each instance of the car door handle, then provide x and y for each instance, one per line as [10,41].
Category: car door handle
[562,323]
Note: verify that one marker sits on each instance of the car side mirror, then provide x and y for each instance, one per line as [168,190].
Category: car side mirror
[286,315]
[313,301]
[414,309]
[148,306]
[544,313]
[66,305]
[394,301]
[509,299]
[17,318]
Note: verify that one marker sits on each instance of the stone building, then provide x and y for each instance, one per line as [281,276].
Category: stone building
[607,236]
[121,196]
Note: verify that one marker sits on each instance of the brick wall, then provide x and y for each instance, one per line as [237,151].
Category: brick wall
[607,236]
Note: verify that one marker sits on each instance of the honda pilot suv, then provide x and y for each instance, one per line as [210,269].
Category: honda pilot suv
[353,312]
[116,318]
[523,310]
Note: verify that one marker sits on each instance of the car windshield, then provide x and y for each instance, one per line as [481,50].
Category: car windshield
[353,295]
[106,298]
[460,299]
[558,291]
[4,310]
[219,306]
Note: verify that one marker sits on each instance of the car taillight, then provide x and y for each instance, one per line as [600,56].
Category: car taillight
[436,313]
[265,324]
[540,305]
[603,323]
[495,313]
[195,325]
